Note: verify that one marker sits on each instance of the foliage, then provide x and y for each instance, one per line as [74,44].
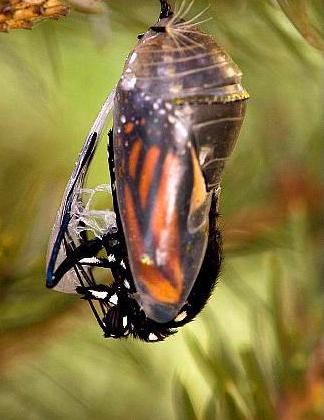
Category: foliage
[256,352]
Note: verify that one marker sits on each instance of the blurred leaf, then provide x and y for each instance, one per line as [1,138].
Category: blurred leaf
[210,409]
[255,351]
[182,402]
[267,14]
[258,385]
[298,14]
[232,409]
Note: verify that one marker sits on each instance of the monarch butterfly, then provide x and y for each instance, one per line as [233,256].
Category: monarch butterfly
[177,112]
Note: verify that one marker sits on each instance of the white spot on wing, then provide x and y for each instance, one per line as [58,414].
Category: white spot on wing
[92,260]
[152,337]
[124,321]
[133,58]
[98,295]
[171,119]
[128,80]
[111,258]
[123,264]
[114,299]
[181,316]
[126,283]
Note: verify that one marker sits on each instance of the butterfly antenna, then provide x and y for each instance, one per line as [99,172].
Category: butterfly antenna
[166,10]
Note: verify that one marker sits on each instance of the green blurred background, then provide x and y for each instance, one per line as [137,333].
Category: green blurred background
[257,350]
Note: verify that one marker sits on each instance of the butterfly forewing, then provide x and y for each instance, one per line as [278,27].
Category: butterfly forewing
[163,200]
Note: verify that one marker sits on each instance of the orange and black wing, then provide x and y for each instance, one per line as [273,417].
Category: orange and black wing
[163,202]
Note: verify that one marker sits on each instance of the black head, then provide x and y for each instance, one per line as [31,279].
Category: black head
[166,10]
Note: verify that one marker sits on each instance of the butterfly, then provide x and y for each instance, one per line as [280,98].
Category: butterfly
[177,111]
